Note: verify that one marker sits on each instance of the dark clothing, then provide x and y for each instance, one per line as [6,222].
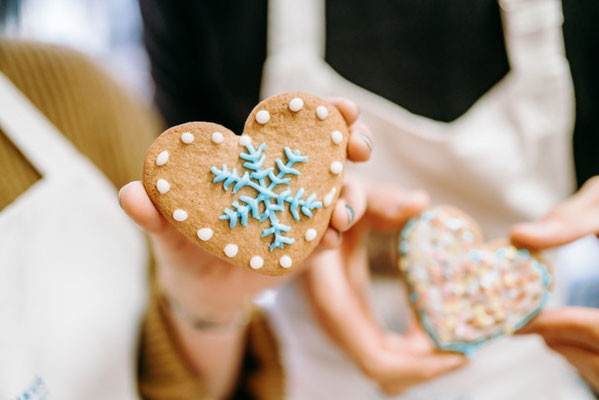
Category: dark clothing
[433,57]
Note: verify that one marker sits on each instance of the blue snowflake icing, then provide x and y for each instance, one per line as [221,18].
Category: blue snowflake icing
[271,202]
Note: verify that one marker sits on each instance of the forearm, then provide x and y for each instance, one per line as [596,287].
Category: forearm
[343,313]
[210,333]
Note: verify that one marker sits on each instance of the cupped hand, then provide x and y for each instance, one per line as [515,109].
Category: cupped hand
[574,333]
[571,331]
[337,282]
[204,284]
[210,289]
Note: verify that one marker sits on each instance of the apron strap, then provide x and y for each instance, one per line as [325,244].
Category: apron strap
[533,34]
[296,27]
[39,141]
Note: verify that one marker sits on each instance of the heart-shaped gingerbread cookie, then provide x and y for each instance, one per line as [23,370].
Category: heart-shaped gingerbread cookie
[465,292]
[261,200]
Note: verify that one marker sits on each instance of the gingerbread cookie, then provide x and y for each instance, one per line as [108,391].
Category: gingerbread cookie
[261,200]
[463,291]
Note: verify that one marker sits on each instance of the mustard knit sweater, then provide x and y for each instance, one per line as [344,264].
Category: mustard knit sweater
[113,131]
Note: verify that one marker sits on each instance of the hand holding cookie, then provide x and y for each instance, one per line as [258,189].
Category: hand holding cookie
[207,285]
[337,283]
[571,331]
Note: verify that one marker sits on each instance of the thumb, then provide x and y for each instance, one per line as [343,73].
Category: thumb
[575,218]
[137,205]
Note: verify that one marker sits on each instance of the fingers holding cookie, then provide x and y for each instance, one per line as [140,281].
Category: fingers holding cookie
[348,109]
[360,143]
[349,209]
[137,205]
[350,206]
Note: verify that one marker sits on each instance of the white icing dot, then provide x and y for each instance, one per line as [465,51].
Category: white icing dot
[162,158]
[163,186]
[217,137]
[285,262]
[336,137]
[310,235]
[262,117]
[231,250]
[187,137]
[244,140]
[179,215]
[256,262]
[336,167]
[205,234]
[322,112]
[328,199]
[296,104]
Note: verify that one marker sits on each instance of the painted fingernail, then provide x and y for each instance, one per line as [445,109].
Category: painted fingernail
[350,213]
[367,139]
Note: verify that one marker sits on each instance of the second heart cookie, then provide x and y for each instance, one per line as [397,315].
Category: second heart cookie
[466,292]
[261,200]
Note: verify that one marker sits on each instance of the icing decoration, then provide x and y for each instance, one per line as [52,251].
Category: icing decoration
[296,104]
[267,199]
[163,186]
[180,215]
[463,293]
[187,137]
[336,167]
[162,158]
[262,117]
[310,234]
[244,140]
[286,261]
[322,112]
[205,234]
[336,137]
[328,199]
[217,137]
[231,250]
[256,262]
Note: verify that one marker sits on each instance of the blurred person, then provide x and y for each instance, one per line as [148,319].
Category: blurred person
[473,101]
[78,318]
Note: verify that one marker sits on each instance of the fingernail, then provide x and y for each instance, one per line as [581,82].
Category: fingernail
[119,196]
[367,139]
[351,214]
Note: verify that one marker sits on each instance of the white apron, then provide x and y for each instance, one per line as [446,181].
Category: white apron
[507,159]
[72,273]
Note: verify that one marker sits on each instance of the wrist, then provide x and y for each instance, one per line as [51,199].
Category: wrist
[190,296]
[208,323]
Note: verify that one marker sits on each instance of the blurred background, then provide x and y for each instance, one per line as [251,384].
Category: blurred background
[109,31]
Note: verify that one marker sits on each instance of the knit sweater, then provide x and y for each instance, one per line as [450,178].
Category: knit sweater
[114,131]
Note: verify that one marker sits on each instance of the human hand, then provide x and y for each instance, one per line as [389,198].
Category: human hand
[337,283]
[571,331]
[573,219]
[212,289]
[574,333]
